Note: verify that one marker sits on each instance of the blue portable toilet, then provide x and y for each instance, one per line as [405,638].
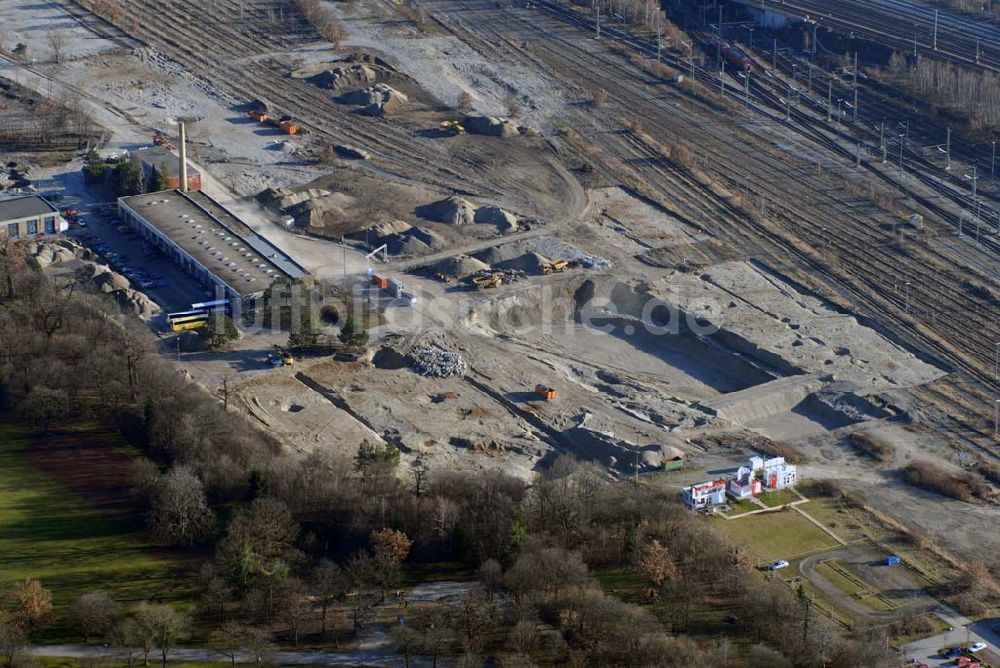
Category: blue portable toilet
[891,560]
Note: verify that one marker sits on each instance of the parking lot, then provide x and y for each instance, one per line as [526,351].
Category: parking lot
[94,225]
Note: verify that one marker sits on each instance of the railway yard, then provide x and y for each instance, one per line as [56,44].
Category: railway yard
[690,255]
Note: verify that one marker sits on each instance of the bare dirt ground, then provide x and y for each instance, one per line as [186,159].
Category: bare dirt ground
[624,398]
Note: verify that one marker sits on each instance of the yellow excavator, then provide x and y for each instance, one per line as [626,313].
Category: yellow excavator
[555,266]
[488,281]
[454,127]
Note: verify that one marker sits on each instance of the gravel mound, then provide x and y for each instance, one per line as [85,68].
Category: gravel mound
[436,362]
[493,126]
[494,215]
[452,210]
[460,266]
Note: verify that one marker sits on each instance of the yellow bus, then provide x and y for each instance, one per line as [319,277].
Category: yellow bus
[182,323]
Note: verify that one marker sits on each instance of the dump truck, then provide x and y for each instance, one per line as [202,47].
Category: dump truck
[289,127]
[488,281]
[381,281]
[555,266]
[545,392]
[454,127]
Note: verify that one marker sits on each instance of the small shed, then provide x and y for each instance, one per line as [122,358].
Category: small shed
[891,560]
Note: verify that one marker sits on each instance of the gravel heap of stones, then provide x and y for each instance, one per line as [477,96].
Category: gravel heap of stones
[436,362]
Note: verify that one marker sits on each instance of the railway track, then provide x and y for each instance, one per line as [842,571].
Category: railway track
[863,253]
[901,25]
[237,64]
[833,224]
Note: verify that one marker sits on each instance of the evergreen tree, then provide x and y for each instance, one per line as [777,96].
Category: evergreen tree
[94,167]
[351,334]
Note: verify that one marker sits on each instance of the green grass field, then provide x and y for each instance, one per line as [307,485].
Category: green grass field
[50,534]
[741,507]
[778,498]
[776,535]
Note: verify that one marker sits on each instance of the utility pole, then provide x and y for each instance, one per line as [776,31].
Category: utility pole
[718,43]
[857,157]
[597,25]
[774,55]
[746,90]
[996,361]
[722,77]
[907,307]
[935,28]
[881,140]
[855,87]
[947,144]
[829,99]
[810,86]
[901,140]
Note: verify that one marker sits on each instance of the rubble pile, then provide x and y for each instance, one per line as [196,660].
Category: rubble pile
[436,362]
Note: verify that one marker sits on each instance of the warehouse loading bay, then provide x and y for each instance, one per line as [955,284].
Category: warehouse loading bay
[582,282]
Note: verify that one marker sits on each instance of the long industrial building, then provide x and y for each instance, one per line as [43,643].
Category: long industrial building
[210,243]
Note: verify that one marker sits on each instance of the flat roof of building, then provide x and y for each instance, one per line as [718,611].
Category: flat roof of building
[163,159]
[216,238]
[16,208]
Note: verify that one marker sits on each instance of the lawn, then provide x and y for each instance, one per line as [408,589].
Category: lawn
[742,506]
[778,498]
[776,535]
[50,533]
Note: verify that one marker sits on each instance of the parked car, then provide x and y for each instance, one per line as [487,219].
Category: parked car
[975,647]
[778,565]
[952,652]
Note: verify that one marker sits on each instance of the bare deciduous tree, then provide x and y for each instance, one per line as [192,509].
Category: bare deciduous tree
[57,44]
[180,514]
[94,614]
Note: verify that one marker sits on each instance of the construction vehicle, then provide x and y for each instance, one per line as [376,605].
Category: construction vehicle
[454,127]
[488,281]
[160,140]
[259,115]
[555,266]
[917,222]
[288,126]
[279,357]
[545,392]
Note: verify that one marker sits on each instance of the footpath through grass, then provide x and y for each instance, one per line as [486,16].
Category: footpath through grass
[49,533]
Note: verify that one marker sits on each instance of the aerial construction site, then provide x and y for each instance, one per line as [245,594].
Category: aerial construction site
[657,237]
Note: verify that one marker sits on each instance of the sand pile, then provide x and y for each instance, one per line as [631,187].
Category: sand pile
[452,210]
[460,266]
[493,126]
[494,215]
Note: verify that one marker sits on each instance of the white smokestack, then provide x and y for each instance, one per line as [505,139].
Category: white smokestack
[183,159]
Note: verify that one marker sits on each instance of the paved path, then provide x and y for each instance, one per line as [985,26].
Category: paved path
[963,633]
